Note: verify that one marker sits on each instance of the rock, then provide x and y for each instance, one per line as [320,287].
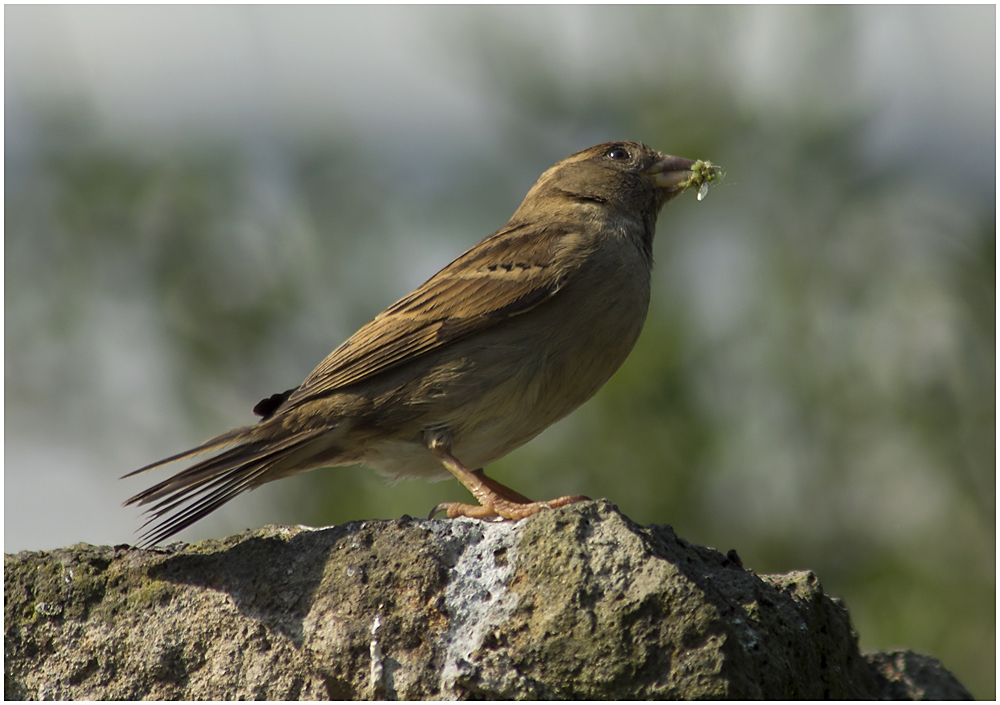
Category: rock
[574,603]
[912,676]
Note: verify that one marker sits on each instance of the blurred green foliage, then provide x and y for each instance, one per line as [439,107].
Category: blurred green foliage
[814,387]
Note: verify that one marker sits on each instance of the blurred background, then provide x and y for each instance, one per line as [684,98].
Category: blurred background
[202,202]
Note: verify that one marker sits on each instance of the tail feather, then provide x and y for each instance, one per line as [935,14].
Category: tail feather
[225,487]
[210,483]
[214,443]
[188,480]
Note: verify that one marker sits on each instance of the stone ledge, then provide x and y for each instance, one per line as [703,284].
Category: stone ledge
[575,603]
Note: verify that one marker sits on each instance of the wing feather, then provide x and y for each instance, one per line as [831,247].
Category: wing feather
[509,273]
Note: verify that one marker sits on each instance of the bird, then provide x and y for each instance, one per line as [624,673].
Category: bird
[510,337]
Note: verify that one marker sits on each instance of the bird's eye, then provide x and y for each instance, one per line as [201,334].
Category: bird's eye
[618,154]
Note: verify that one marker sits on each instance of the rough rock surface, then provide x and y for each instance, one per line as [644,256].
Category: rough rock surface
[578,602]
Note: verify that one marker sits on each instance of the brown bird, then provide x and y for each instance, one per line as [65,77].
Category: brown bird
[510,337]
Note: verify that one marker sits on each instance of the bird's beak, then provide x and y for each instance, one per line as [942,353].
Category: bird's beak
[671,173]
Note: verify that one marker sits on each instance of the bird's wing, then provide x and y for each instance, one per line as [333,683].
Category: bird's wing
[511,272]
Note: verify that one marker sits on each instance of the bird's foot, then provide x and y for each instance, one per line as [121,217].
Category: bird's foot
[504,508]
[495,499]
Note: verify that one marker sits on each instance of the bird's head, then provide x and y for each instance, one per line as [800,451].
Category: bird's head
[614,178]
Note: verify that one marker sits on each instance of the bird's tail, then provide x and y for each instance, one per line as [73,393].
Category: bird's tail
[252,459]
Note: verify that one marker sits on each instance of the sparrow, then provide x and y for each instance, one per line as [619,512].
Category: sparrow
[510,337]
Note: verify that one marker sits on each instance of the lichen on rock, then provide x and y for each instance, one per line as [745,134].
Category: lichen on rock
[577,602]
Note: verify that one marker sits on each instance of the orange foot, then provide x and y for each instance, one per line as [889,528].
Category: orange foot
[496,500]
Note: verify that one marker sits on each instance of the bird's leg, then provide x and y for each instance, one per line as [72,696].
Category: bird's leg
[502,490]
[494,498]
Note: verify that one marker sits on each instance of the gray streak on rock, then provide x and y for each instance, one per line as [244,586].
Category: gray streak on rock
[477,598]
